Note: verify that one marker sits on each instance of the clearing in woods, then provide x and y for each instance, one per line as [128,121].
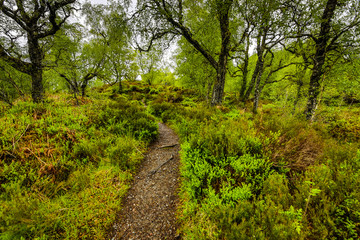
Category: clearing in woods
[150,205]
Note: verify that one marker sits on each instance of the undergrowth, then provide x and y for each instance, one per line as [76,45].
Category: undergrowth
[65,168]
[270,176]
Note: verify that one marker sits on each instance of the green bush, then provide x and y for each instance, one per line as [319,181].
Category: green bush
[123,118]
[123,154]
[267,178]
[345,128]
[157,109]
[64,169]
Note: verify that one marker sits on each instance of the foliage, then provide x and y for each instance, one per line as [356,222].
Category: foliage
[268,177]
[64,169]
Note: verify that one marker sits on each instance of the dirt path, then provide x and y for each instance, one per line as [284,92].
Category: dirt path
[150,206]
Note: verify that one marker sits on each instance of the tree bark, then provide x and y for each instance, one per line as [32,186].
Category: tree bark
[245,70]
[85,82]
[319,60]
[258,69]
[258,87]
[218,90]
[36,56]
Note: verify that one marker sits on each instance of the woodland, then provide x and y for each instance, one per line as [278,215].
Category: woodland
[263,95]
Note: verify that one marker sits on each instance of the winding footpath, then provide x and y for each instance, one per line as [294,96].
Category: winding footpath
[150,206]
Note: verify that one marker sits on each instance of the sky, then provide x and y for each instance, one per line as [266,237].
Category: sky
[98,1]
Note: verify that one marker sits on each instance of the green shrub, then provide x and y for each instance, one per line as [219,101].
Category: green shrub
[252,170]
[64,169]
[123,153]
[86,151]
[157,109]
[345,128]
[274,178]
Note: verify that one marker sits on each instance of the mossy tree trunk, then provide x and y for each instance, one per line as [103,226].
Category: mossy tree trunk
[218,90]
[245,69]
[36,56]
[319,58]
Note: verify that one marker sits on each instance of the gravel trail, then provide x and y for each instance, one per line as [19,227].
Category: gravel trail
[150,206]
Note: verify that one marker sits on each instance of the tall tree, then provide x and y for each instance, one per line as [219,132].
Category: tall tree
[193,68]
[149,64]
[329,25]
[77,62]
[263,22]
[110,28]
[161,18]
[320,55]
[33,20]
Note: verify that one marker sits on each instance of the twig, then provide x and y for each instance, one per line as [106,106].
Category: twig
[38,158]
[9,153]
[168,146]
[138,150]
[14,142]
[161,165]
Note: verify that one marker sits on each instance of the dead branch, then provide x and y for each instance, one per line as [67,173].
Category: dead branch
[168,146]
[14,142]
[161,165]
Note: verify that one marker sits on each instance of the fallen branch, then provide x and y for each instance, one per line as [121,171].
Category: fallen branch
[161,165]
[15,142]
[168,146]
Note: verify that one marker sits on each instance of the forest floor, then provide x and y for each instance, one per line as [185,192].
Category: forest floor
[150,207]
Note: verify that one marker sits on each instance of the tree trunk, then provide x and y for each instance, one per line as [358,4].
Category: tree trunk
[298,94]
[320,55]
[258,88]
[245,71]
[258,69]
[314,89]
[85,82]
[218,90]
[120,86]
[36,55]
[83,88]
[118,79]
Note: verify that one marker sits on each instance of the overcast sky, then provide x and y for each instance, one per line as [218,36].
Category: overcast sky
[98,1]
